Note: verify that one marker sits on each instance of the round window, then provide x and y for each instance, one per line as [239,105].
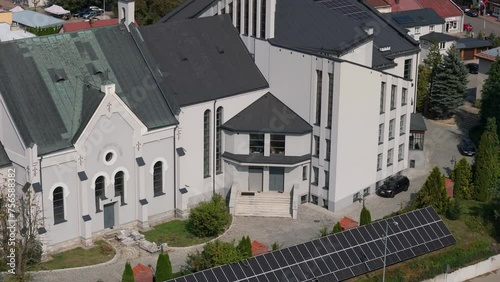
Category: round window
[109,157]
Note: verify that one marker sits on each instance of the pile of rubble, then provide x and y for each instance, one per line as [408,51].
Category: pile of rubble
[130,237]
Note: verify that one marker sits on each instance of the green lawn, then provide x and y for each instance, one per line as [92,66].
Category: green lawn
[475,242]
[175,234]
[100,253]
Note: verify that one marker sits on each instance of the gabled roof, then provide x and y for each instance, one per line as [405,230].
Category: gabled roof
[268,115]
[414,18]
[490,55]
[444,8]
[404,5]
[62,74]
[4,158]
[34,19]
[202,59]
[188,10]
[438,37]
[75,26]
[417,122]
[467,43]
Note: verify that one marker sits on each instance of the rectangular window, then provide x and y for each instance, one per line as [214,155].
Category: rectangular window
[305,172]
[416,141]
[417,30]
[382,98]
[319,82]
[356,197]
[330,100]
[262,18]
[402,124]
[431,28]
[316,146]
[206,143]
[407,72]
[391,129]
[218,140]
[404,96]
[328,144]
[366,192]
[389,157]
[325,203]
[303,199]
[442,45]
[237,13]
[379,162]
[316,175]
[277,144]
[380,133]
[401,152]
[256,143]
[327,180]
[245,17]
[314,199]
[393,96]
[254,18]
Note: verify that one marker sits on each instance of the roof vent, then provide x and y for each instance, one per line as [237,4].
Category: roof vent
[182,57]
[384,49]
[219,50]
[96,69]
[58,75]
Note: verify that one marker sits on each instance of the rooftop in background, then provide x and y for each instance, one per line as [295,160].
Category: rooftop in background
[202,59]
[417,122]
[444,8]
[490,55]
[348,223]
[75,26]
[414,18]
[268,115]
[378,3]
[404,5]
[467,43]
[4,158]
[187,10]
[34,19]
[7,34]
[438,37]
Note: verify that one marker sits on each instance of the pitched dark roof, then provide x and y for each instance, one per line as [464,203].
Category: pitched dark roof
[268,114]
[438,37]
[261,159]
[417,122]
[414,18]
[188,10]
[4,158]
[303,24]
[64,73]
[202,59]
[466,43]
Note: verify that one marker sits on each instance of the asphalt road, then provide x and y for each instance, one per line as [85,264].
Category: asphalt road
[482,24]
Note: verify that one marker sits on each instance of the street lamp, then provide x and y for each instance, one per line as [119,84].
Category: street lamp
[385,244]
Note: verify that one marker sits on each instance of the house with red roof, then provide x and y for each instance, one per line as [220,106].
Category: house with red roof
[449,11]
[76,26]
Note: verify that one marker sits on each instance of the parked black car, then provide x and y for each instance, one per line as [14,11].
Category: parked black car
[467,148]
[472,13]
[81,13]
[90,15]
[472,67]
[393,186]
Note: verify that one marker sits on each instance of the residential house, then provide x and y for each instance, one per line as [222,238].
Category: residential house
[28,18]
[419,22]
[10,30]
[469,47]
[486,58]
[444,41]
[382,6]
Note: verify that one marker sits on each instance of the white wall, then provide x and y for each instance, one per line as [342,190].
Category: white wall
[362,54]
[426,45]
[298,145]
[424,30]
[10,138]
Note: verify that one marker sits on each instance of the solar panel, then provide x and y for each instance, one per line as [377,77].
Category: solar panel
[403,19]
[340,256]
[346,7]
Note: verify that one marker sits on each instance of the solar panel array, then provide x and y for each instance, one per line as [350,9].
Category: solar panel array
[346,7]
[403,19]
[342,255]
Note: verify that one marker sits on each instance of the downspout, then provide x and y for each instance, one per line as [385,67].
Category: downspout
[176,161]
[310,169]
[415,85]
[214,173]
[43,208]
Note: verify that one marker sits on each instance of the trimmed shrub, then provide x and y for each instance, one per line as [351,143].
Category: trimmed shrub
[454,210]
[209,218]
[245,247]
[365,216]
[337,228]
[214,254]
[276,246]
[323,231]
[128,275]
[163,268]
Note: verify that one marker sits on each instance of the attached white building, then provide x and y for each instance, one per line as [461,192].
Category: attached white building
[419,22]
[486,58]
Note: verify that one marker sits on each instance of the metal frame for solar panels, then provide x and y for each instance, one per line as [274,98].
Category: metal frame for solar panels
[342,255]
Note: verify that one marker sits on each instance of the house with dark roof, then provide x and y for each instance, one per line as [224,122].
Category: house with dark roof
[419,22]
[444,41]
[313,54]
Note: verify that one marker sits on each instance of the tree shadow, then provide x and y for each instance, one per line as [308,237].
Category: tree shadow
[447,170]
[470,95]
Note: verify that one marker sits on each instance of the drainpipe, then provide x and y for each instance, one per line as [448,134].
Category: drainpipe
[176,162]
[43,209]
[415,85]
[310,167]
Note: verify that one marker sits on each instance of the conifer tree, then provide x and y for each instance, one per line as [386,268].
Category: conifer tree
[462,176]
[365,216]
[486,164]
[128,274]
[337,228]
[163,267]
[424,76]
[433,193]
[490,96]
[448,85]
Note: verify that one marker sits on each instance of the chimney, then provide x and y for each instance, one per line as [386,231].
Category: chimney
[126,9]
[108,89]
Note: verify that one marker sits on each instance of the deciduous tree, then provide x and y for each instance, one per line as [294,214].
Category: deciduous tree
[424,76]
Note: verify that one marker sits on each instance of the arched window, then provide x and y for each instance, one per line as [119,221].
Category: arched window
[58,205]
[158,179]
[120,186]
[218,140]
[206,143]
[99,192]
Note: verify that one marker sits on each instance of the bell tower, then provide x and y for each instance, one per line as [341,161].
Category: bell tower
[126,9]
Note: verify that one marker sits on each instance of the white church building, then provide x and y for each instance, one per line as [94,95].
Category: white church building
[296,100]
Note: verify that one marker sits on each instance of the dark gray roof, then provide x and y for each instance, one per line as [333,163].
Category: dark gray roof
[4,158]
[417,122]
[261,159]
[60,75]
[438,37]
[202,59]
[466,43]
[187,10]
[414,18]
[268,115]
[304,24]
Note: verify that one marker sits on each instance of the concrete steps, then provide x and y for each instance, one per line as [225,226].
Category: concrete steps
[265,204]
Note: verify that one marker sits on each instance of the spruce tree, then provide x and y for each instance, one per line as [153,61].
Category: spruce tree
[337,228]
[424,75]
[490,95]
[462,176]
[128,274]
[365,216]
[448,85]
[434,57]
[163,268]
[486,169]
[433,193]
